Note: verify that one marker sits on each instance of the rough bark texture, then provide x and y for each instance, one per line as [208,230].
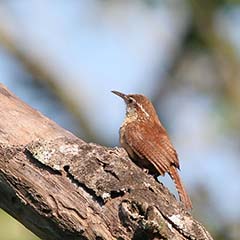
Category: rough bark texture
[60,187]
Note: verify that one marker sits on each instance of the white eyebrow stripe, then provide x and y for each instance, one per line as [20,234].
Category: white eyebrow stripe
[141,107]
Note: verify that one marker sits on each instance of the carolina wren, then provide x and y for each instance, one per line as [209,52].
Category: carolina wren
[147,143]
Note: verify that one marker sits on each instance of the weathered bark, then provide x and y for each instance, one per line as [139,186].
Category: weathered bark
[60,187]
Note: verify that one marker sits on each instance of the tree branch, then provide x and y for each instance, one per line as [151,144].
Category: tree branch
[60,187]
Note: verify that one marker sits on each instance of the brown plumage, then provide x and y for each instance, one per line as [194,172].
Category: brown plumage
[147,142]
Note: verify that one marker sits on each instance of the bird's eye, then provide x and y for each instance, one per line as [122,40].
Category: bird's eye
[130,100]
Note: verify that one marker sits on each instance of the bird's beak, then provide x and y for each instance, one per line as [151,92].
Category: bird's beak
[122,95]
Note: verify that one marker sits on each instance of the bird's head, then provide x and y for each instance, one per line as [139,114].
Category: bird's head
[137,106]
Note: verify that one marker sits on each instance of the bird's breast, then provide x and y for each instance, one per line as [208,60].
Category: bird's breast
[122,137]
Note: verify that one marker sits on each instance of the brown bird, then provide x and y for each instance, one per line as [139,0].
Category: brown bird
[147,143]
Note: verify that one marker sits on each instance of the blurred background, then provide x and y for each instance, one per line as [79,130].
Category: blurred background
[64,57]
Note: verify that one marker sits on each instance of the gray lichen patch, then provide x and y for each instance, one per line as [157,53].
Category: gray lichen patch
[55,154]
[88,165]
[188,227]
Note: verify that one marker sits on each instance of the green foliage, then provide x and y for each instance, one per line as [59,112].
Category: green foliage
[11,229]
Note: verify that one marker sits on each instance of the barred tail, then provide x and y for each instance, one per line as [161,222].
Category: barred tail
[184,198]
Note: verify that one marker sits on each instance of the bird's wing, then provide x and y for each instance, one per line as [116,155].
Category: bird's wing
[153,144]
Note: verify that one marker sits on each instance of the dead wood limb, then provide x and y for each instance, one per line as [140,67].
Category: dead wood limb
[60,187]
